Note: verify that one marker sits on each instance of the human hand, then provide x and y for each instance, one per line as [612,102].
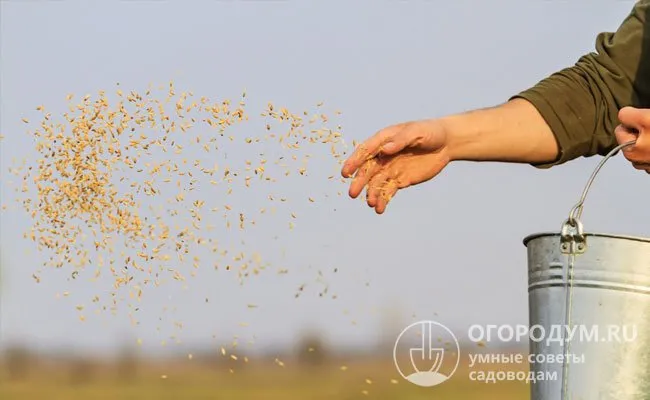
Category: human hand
[395,158]
[635,125]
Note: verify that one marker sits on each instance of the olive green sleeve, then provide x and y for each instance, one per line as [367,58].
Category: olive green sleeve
[581,103]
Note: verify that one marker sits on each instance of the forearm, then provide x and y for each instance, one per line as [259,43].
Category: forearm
[511,132]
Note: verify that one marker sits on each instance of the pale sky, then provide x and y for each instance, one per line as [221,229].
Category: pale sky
[449,250]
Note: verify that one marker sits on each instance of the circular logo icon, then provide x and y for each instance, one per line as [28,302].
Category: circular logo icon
[426,353]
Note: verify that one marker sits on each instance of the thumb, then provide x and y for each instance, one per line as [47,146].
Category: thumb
[397,140]
[392,146]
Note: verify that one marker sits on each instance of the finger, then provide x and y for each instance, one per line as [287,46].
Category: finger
[387,193]
[639,153]
[375,186]
[364,152]
[397,142]
[637,118]
[368,149]
[641,165]
[625,134]
[632,121]
[362,177]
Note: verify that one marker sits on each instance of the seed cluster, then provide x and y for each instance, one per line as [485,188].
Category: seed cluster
[121,181]
[139,185]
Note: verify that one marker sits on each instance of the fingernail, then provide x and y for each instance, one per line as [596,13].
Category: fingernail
[390,146]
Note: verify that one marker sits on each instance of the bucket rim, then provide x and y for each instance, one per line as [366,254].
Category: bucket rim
[605,235]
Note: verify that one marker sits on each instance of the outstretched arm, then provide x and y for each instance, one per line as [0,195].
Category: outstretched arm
[572,113]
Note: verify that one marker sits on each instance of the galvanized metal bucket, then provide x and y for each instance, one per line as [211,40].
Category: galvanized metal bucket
[589,304]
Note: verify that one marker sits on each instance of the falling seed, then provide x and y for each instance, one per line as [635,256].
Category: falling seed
[101,161]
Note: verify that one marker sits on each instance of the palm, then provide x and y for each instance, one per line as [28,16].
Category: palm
[389,174]
[413,167]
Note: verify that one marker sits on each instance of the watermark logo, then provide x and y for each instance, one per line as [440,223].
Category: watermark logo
[554,334]
[426,353]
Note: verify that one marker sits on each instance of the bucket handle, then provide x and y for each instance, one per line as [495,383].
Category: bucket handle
[573,241]
[572,230]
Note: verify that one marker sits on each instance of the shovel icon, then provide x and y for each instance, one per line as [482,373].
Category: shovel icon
[427,352]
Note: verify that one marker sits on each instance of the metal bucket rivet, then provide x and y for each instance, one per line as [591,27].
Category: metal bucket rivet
[604,282]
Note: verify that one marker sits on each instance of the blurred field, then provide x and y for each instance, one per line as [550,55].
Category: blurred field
[205,378]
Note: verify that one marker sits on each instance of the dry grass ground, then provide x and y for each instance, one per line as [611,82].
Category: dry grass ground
[195,380]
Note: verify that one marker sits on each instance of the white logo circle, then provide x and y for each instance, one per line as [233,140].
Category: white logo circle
[436,341]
